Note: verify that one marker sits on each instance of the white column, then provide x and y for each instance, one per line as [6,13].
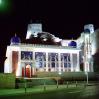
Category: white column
[78,65]
[67,63]
[46,61]
[88,67]
[92,70]
[33,59]
[59,63]
[71,59]
[63,64]
[50,62]
[33,67]
[19,67]
[10,60]
[84,60]
[55,64]
[19,61]
[86,63]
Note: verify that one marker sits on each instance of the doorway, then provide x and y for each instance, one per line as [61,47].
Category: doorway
[26,72]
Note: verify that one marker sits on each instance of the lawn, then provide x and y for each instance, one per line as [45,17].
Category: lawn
[62,92]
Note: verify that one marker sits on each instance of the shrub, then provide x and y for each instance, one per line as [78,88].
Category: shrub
[7,80]
[33,82]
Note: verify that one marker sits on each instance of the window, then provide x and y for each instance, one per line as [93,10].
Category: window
[26,55]
[53,60]
[40,58]
[65,60]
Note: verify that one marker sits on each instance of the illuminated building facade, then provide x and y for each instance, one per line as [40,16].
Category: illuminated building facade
[43,52]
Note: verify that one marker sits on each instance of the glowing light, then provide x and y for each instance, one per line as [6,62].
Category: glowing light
[5,6]
[60,73]
[56,39]
[0,1]
[28,66]
[44,39]
[28,34]
[89,56]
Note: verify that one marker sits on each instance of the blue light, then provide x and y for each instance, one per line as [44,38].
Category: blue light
[15,40]
[72,44]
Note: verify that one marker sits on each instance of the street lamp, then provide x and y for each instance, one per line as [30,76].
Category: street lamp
[88,64]
[86,70]
[86,76]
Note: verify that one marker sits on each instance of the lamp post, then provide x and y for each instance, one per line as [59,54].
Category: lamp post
[86,76]
[87,54]
[86,64]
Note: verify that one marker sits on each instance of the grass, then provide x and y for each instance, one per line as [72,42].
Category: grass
[35,89]
[62,92]
[37,93]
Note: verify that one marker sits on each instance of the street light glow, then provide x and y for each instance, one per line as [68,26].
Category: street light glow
[5,6]
[0,1]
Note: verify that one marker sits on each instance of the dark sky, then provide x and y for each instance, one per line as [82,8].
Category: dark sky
[63,18]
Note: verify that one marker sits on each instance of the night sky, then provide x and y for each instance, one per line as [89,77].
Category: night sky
[63,18]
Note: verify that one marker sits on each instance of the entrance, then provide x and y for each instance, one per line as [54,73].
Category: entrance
[26,72]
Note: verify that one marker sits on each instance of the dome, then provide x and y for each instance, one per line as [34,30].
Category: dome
[15,40]
[72,44]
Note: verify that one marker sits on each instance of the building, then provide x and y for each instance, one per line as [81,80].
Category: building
[43,52]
